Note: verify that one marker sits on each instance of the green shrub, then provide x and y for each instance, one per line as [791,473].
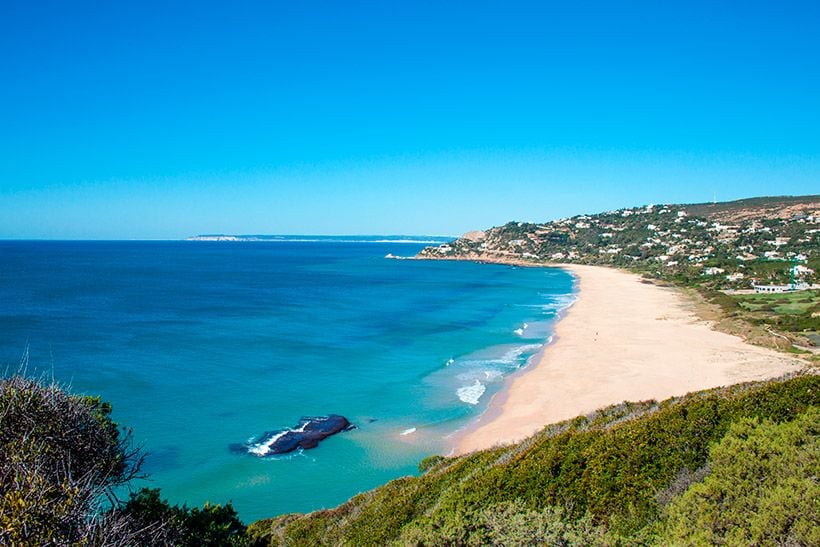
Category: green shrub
[762,489]
[174,525]
[429,462]
[507,523]
[62,460]
[60,457]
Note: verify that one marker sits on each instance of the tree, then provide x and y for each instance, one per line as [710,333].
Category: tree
[61,457]
[211,525]
[762,489]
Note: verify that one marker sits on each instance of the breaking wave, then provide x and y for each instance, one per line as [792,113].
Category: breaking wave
[472,393]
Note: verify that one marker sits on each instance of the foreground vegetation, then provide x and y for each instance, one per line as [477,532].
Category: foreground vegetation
[62,462]
[736,465]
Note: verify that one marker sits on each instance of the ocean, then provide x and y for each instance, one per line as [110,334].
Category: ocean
[203,345]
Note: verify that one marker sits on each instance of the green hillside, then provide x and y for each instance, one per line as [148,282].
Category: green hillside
[712,467]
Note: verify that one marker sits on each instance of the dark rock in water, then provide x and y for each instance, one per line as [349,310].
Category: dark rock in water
[307,434]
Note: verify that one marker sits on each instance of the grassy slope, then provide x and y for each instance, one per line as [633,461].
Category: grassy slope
[754,317]
[611,467]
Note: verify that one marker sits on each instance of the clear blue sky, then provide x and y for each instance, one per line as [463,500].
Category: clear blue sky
[166,119]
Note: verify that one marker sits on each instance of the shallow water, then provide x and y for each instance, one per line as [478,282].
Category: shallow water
[201,345]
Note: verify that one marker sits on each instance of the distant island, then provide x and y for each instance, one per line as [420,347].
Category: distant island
[415,239]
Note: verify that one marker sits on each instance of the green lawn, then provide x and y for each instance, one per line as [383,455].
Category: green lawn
[793,303]
[787,311]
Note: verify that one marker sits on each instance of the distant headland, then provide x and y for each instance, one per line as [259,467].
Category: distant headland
[414,239]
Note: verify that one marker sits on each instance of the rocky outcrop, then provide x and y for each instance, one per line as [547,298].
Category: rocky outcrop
[308,434]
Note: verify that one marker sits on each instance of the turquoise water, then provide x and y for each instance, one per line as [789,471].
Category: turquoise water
[199,345]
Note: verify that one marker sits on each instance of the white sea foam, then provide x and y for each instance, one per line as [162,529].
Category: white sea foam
[509,359]
[471,394]
[511,356]
[408,431]
[492,374]
[554,303]
[560,303]
[261,449]
[520,330]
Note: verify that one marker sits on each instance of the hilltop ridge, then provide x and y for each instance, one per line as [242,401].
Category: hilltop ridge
[782,207]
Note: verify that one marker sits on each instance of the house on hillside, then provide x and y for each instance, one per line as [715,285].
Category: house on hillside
[762,289]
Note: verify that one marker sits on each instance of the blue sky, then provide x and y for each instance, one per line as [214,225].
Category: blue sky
[166,119]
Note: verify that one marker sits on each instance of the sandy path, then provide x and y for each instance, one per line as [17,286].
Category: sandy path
[622,340]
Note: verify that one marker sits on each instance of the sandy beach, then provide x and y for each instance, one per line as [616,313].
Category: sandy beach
[623,340]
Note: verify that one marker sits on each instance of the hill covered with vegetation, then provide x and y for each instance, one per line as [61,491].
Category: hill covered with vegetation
[721,250]
[737,465]
[722,246]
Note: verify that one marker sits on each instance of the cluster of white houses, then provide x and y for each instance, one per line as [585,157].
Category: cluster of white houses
[670,236]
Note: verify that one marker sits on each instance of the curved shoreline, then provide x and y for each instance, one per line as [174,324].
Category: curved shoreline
[621,340]
[499,398]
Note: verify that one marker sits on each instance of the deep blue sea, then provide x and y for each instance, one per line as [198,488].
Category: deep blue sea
[200,345]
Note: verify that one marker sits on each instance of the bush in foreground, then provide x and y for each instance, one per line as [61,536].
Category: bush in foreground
[763,488]
[211,525]
[736,465]
[61,457]
[62,460]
